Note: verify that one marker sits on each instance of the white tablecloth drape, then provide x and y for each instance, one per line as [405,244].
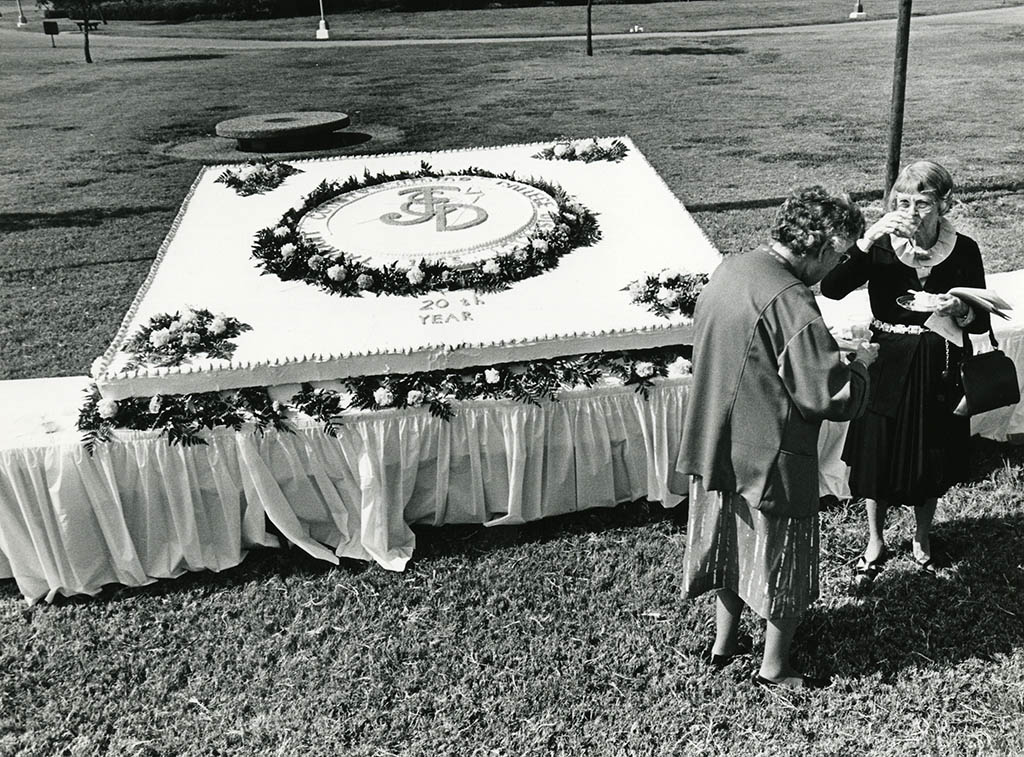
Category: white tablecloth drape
[140,509]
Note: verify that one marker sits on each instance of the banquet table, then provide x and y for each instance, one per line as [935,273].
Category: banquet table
[139,509]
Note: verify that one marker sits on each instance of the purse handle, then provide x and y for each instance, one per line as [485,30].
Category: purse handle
[968,346]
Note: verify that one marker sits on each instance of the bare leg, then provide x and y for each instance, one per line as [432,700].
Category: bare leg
[876,510]
[778,638]
[728,608]
[923,516]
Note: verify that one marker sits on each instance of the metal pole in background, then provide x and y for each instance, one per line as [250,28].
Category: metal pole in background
[323,30]
[22,21]
[590,41]
[899,93]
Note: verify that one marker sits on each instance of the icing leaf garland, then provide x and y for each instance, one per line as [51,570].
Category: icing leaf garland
[586,151]
[668,292]
[257,176]
[283,251]
[181,418]
[172,339]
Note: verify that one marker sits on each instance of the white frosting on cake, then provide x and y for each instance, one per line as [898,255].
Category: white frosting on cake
[302,333]
[399,222]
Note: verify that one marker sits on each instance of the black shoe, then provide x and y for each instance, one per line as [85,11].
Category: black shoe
[927,566]
[865,572]
[806,682]
[744,646]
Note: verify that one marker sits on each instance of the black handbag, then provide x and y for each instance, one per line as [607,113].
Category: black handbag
[989,379]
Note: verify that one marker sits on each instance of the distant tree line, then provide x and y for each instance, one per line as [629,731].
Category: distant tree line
[194,10]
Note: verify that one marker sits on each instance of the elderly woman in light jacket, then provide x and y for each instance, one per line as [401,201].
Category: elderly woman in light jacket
[766,373]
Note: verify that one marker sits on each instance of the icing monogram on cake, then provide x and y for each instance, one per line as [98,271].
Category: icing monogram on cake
[457,220]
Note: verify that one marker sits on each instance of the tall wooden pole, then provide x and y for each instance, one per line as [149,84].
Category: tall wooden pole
[899,93]
[590,41]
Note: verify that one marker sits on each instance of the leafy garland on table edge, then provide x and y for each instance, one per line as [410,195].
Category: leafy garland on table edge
[282,250]
[171,339]
[589,152]
[668,292]
[257,176]
[182,417]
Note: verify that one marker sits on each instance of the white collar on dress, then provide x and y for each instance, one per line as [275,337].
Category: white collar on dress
[911,255]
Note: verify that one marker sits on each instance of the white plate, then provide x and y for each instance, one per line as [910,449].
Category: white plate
[907,301]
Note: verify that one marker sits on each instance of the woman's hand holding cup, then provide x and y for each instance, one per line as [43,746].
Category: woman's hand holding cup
[902,223]
[867,352]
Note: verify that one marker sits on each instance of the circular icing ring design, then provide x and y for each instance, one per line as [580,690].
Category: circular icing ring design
[460,220]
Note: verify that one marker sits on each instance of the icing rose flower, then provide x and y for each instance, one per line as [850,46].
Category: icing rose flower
[415,275]
[282,231]
[189,318]
[174,326]
[336,273]
[383,396]
[519,254]
[643,369]
[155,403]
[364,281]
[315,261]
[218,325]
[665,276]
[491,267]
[189,338]
[287,250]
[560,149]
[414,397]
[492,376]
[107,408]
[666,296]
[159,337]
[680,367]
[540,245]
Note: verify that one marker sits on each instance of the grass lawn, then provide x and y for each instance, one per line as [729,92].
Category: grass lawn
[560,637]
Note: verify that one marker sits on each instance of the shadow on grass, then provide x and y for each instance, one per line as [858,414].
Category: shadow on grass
[690,50]
[175,57]
[472,540]
[11,222]
[331,141]
[1010,185]
[988,456]
[970,611]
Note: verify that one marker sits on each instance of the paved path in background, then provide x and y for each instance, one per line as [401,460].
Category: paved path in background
[952,22]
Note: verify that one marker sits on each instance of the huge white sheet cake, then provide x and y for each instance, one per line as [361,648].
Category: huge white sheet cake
[301,333]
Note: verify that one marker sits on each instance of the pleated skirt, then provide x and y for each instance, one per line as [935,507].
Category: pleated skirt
[921,450]
[771,562]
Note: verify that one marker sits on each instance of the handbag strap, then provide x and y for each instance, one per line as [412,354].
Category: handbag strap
[969,346]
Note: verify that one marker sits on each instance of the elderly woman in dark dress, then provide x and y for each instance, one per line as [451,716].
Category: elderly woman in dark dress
[909,448]
[766,373]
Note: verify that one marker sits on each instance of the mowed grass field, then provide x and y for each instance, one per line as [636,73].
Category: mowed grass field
[564,637]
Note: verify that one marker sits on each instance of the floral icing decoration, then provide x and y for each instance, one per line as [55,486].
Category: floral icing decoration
[172,339]
[283,251]
[257,176]
[179,417]
[589,151]
[668,292]
[182,417]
